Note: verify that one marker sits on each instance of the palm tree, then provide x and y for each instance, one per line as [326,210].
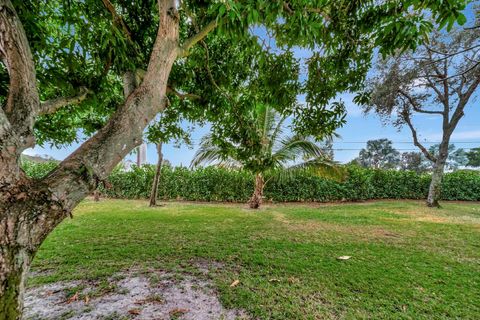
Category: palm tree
[276,155]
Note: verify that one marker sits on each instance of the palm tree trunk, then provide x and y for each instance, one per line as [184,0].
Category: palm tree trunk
[256,199]
[96,195]
[156,178]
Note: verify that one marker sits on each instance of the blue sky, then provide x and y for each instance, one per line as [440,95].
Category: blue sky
[354,134]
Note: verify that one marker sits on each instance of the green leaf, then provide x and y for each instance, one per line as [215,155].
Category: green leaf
[461,19]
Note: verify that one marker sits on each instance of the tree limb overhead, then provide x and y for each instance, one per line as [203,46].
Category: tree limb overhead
[190,42]
[53,105]
[417,143]
[415,106]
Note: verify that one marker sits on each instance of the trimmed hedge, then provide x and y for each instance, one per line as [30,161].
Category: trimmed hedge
[205,184]
[216,184]
[38,170]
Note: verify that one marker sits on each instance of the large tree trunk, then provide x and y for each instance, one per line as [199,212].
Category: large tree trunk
[30,210]
[435,189]
[156,178]
[96,195]
[14,266]
[256,199]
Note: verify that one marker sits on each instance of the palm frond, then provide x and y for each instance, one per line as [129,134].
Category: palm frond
[210,153]
[267,118]
[277,133]
[295,147]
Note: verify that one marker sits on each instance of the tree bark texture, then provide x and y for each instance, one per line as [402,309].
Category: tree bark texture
[435,189]
[31,209]
[256,199]
[96,195]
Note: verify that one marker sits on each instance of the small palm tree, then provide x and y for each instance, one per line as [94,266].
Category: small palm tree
[276,155]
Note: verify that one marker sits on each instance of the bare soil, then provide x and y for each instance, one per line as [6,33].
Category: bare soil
[130,295]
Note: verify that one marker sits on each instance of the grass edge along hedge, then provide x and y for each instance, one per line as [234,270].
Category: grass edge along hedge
[218,184]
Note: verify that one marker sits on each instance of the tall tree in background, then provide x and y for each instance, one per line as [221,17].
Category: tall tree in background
[413,161]
[438,79]
[167,128]
[456,157]
[473,157]
[379,154]
[156,177]
[65,63]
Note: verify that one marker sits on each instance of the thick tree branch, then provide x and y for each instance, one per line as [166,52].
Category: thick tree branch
[458,113]
[417,143]
[23,99]
[446,89]
[53,105]
[183,96]
[183,50]
[79,174]
[415,105]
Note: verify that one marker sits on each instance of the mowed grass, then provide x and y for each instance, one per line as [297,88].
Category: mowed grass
[408,261]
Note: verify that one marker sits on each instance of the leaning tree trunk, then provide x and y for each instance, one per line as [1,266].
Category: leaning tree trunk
[156,178]
[256,199]
[14,266]
[28,213]
[31,209]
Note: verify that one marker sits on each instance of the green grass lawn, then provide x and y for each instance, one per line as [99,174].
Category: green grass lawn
[408,261]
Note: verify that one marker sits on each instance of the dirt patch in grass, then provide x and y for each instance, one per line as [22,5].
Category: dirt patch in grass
[205,266]
[362,232]
[129,295]
[424,214]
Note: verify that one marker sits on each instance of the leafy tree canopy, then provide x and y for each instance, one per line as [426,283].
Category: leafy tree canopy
[473,157]
[84,47]
[278,149]
[414,161]
[379,154]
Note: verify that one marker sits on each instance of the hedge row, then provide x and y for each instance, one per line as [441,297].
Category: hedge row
[216,184]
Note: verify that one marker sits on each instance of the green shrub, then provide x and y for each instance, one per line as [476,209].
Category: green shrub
[217,184]
[38,170]
[461,185]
